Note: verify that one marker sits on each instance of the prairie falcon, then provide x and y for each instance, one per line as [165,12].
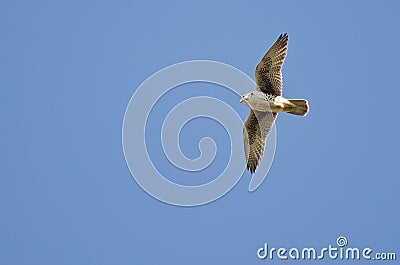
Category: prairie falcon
[266,101]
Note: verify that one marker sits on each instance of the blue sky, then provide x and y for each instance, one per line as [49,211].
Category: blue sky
[69,69]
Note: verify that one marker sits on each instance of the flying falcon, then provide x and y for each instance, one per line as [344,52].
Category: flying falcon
[266,101]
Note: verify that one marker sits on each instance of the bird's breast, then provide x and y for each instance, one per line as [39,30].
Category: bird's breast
[262,103]
[267,103]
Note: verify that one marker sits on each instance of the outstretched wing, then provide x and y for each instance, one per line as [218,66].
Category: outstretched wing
[268,73]
[255,131]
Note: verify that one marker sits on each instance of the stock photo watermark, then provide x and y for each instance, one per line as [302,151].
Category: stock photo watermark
[338,251]
[135,122]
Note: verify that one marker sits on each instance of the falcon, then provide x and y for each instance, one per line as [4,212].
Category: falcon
[266,102]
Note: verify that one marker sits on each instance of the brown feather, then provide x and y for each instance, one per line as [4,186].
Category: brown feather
[268,73]
[255,131]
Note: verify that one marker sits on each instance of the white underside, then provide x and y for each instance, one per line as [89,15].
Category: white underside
[263,103]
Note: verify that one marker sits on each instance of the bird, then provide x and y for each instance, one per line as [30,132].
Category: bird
[266,102]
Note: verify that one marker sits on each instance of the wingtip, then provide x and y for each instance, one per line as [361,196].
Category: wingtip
[251,169]
[283,37]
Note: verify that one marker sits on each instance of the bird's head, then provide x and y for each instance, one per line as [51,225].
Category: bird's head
[245,98]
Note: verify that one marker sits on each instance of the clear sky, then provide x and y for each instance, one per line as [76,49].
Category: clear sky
[68,70]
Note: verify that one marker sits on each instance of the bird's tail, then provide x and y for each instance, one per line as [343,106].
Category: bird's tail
[297,107]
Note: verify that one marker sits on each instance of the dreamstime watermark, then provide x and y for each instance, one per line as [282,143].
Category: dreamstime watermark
[135,122]
[339,251]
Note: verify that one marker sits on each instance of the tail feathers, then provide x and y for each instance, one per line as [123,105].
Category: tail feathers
[298,107]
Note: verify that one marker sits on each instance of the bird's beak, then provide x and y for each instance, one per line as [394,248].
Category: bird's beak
[241,100]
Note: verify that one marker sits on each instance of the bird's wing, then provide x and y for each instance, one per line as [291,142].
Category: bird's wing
[268,73]
[255,131]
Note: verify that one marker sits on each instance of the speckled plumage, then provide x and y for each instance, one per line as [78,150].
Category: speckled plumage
[266,101]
